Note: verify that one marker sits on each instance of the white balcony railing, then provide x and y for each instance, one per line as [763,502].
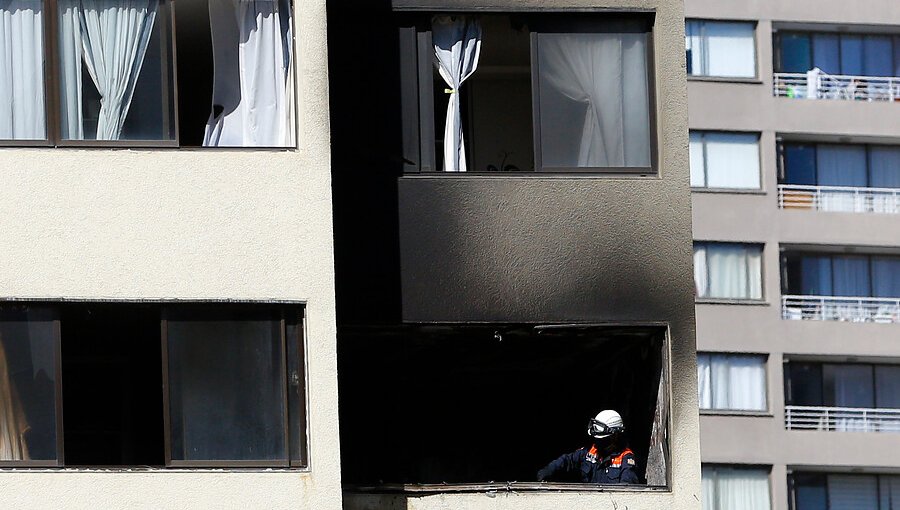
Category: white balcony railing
[843,419]
[839,198]
[846,309]
[816,84]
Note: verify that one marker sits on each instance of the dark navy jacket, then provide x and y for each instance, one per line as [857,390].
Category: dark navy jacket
[585,465]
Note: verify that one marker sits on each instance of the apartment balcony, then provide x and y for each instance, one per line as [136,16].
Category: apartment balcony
[839,199]
[818,85]
[841,419]
[843,309]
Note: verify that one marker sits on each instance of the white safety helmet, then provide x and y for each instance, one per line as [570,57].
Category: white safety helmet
[605,424]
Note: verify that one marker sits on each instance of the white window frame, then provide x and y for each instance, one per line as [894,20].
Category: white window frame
[712,383]
[704,139]
[698,28]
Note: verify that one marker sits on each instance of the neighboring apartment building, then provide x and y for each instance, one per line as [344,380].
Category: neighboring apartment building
[167,316]
[512,247]
[795,168]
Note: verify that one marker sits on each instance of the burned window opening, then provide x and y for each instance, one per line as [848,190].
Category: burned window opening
[484,404]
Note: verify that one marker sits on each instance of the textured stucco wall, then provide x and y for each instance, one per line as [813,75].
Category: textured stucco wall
[514,247]
[186,224]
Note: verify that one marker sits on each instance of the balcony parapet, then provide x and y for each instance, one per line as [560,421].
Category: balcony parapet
[816,84]
[844,309]
[839,199]
[841,419]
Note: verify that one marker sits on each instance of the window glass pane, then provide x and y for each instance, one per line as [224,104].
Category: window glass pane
[887,388]
[878,54]
[827,53]
[805,384]
[117,91]
[708,488]
[701,282]
[743,488]
[800,164]
[704,381]
[594,102]
[747,384]
[22,114]
[841,165]
[848,385]
[698,169]
[734,271]
[732,160]
[226,388]
[896,56]
[815,278]
[795,53]
[693,47]
[886,277]
[721,382]
[27,384]
[296,388]
[884,166]
[851,277]
[731,48]
[889,487]
[852,492]
[810,492]
[851,54]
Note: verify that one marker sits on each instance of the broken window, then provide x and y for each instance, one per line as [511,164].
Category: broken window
[114,384]
[493,404]
[115,81]
[498,93]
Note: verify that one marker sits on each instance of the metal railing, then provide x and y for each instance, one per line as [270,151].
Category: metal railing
[839,198]
[843,419]
[816,84]
[845,309]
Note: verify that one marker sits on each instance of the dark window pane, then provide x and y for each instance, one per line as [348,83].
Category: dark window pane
[851,277]
[886,277]
[815,279]
[884,166]
[795,53]
[296,388]
[810,492]
[800,164]
[851,54]
[805,384]
[226,388]
[27,384]
[887,387]
[827,53]
[896,56]
[841,165]
[878,55]
[848,385]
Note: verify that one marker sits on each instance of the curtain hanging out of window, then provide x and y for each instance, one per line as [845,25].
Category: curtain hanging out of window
[252,102]
[457,47]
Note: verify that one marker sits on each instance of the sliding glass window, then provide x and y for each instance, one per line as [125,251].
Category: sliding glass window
[722,49]
[728,270]
[838,53]
[724,160]
[734,382]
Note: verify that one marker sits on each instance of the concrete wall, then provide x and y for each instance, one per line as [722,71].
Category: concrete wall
[186,224]
[553,248]
[755,217]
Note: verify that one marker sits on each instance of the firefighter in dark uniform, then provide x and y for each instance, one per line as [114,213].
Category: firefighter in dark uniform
[607,460]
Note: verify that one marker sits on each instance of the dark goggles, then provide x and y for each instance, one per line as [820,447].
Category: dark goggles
[597,429]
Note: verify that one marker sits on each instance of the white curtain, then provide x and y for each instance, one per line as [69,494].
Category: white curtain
[70,55]
[743,489]
[735,271]
[747,383]
[701,282]
[252,104]
[606,75]
[729,49]
[732,160]
[708,488]
[22,114]
[704,381]
[852,492]
[457,47]
[115,34]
